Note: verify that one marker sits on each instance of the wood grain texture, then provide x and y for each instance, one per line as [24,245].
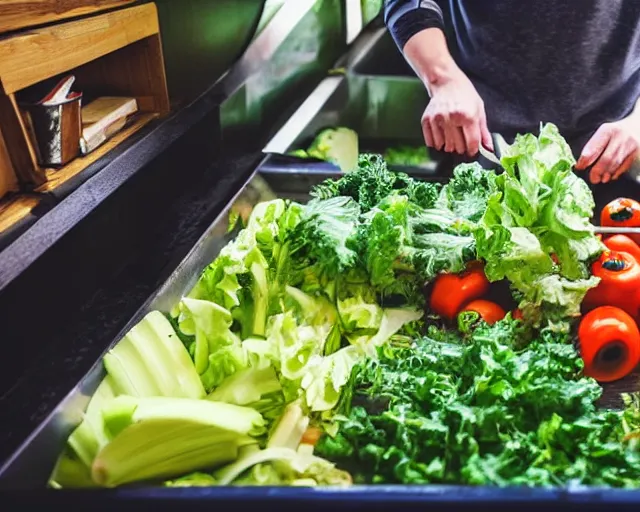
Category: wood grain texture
[55,177]
[117,53]
[17,139]
[18,14]
[8,180]
[135,70]
[15,208]
[34,56]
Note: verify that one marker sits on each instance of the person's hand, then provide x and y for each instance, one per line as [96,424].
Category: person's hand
[611,151]
[455,119]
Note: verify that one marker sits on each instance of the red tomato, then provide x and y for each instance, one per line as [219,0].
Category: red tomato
[489,311]
[609,343]
[451,291]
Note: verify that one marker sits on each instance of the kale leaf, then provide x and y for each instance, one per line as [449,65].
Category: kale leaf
[476,410]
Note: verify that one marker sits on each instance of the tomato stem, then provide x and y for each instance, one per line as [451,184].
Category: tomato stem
[614,264]
[610,356]
[624,213]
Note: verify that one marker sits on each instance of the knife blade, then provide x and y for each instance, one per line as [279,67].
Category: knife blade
[614,230]
[489,155]
[498,144]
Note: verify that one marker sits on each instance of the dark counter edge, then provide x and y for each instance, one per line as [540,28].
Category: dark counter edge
[105,178]
[451,498]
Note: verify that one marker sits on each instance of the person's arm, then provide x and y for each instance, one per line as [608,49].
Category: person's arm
[405,18]
[612,149]
[455,118]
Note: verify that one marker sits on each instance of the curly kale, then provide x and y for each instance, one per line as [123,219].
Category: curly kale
[373,181]
[467,192]
[403,246]
[478,411]
[318,249]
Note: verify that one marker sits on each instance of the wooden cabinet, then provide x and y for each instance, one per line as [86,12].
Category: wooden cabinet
[114,53]
[17,14]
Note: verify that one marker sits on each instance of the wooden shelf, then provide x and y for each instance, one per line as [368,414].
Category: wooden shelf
[17,14]
[56,177]
[115,53]
[15,208]
[36,55]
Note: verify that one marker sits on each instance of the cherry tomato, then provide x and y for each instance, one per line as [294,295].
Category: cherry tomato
[619,275]
[452,291]
[489,311]
[622,243]
[622,212]
[609,343]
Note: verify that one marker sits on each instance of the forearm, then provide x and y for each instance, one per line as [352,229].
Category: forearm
[428,55]
[418,30]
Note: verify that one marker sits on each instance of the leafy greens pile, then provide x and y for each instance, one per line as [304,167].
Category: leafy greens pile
[529,224]
[473,410]
[313,317]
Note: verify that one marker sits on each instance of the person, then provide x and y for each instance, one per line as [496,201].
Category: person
[505,66]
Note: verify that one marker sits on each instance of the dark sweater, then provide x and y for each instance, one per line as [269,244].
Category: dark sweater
[575,63]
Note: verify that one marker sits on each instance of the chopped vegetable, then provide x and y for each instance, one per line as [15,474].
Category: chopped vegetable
[160,437]
[407,156]
[304,351]
[468,191]
[619,275]
[152,361]
[287,467]
[474,410]
[609,343]
[311,436]
[540,208]
[373,182]
[336,145]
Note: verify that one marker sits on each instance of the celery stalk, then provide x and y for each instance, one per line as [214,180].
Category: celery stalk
[159,437]
[152,361]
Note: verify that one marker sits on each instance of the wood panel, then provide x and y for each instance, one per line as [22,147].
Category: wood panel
[21,153]
[29,58]
[17,14]
[136,70]
[8,180]
[14,209]
[112,53]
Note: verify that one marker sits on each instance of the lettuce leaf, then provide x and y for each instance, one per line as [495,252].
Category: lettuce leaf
[538,211]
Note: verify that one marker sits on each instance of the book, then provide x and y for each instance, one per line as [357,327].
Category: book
[104,117]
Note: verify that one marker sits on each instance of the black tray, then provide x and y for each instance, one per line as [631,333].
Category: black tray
[30,466]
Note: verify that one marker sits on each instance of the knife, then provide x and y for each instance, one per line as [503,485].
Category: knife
[494,156]
[614,230]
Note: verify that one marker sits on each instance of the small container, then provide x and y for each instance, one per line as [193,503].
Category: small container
[56,130]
